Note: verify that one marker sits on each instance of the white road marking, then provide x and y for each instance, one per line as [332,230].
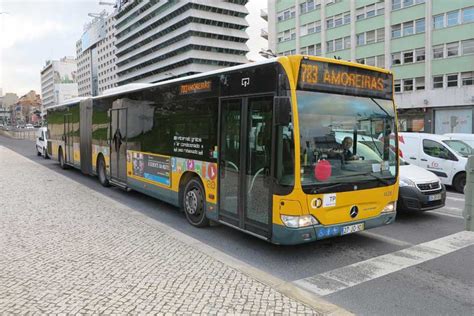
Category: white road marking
[447,214]
[360,272]
[390,240]
[455,199]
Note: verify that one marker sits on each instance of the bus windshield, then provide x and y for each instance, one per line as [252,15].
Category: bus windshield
[346,139]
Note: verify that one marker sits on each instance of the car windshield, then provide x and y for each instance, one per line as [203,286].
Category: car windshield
[346,139]
[460,147]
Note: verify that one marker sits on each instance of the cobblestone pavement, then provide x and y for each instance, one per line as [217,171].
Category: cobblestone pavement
[65,248]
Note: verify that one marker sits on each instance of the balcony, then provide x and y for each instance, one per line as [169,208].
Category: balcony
[264,33]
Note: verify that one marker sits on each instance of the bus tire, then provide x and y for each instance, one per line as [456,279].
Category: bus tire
[194,203]
[62,163]
[102,171]
[459,182]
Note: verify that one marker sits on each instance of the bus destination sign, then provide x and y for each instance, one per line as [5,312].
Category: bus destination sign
[195,87]
[342,79]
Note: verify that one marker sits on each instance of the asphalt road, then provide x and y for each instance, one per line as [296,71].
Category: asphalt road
[413,283]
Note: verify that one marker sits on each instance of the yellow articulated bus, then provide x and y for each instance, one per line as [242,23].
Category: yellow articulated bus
[292,149]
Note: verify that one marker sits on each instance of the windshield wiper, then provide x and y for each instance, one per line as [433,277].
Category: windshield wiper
[380,179]
[318,190]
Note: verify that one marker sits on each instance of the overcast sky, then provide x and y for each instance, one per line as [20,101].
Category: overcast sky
[33,31]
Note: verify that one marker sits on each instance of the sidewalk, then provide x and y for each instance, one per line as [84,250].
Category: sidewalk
[65,248]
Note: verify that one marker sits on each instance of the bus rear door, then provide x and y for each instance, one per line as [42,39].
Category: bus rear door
[245,163]
[118,146]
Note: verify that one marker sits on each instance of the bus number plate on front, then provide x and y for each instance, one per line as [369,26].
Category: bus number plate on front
[352,228]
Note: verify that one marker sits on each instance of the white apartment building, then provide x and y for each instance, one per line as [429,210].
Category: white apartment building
[107,62]
[158,40]
[58,81]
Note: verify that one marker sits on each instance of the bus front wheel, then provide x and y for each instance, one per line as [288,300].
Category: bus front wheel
[194,204]
[102,172]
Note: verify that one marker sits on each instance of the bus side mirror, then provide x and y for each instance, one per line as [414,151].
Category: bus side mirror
[282,111]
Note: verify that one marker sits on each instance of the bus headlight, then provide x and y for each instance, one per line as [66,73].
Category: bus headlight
[298,221]
[390,207]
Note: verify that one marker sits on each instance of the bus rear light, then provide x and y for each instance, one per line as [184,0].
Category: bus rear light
[390,207]
[298,221]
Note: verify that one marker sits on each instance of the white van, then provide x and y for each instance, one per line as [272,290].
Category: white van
[439,154]
[467,138]
[42,142]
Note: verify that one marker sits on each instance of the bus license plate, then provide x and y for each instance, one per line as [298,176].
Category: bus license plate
[352,228]
[434,197]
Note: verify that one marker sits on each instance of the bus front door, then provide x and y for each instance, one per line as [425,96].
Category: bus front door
[245,163]
[118,145]
[68,139]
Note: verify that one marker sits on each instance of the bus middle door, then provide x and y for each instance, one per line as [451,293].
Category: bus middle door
[118,145]
[245,163]
[68,138]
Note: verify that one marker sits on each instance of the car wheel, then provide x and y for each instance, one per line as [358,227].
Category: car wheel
[102,172]
[194,204]
[459,182]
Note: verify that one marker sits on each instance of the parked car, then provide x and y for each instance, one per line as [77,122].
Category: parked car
[420,190]
[42,142]
[467,138]
[439,154]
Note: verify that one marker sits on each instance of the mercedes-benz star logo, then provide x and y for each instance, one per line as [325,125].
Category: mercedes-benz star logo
[354,211]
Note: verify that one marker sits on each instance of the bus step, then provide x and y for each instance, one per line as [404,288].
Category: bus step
[120,184]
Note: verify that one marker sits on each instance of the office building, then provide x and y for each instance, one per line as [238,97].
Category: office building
[429,46]
[158,40]
[58,81]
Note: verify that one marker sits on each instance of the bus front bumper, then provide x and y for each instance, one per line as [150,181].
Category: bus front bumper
[283,235]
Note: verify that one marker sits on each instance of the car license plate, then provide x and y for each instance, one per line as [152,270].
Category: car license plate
[434,197]
[352,228]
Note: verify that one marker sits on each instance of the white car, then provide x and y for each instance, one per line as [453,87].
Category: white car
[467,138]
[439,154]
[29,126]
[42,142]
[420,190]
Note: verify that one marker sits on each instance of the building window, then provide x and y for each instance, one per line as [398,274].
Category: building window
[407,85]
[408,57]
[286,14]
[420,83]
[396,4]
[380,34]
[467,47]
[381,61]
[360,39]
[452,80]
[347,42]
[330,23]
[438,51]
[420,26]
[420,54]
[408,28]
[467,78]
[329,46]
[398,86]
[437,82]
[370,61]
[452,49]
[360,14]
[468,15]
[396,30]
[370,11]
[396,59]
[452,18]
[338,44]
[370,37]
[438,21]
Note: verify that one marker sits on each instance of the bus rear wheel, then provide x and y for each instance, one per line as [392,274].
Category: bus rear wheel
[102,172]
[194,204]
[62,163]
